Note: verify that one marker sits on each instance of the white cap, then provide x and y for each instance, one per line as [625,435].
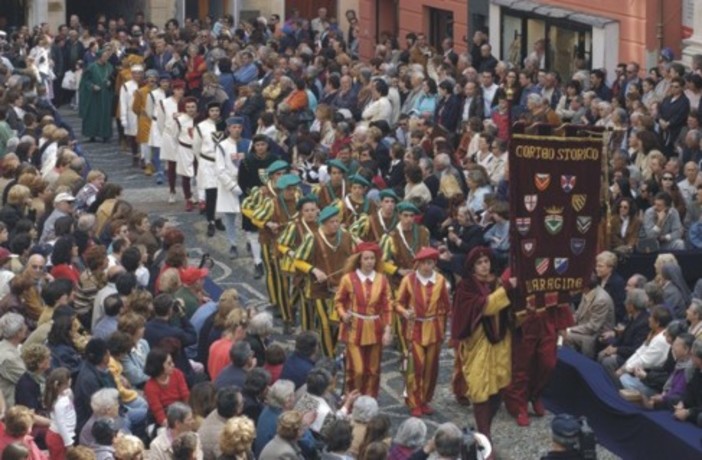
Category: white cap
[64,197]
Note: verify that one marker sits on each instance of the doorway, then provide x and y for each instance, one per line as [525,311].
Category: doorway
[89,10]
[440,26]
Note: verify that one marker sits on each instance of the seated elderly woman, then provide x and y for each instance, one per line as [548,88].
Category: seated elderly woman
[105,404]
[676,293]
[13,331]
[364,409]
[690,408]
[237,439]
[676,385]
[257,334]
[18,427]
[410,437]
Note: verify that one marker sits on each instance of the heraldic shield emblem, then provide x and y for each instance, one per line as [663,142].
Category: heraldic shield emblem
[554,220]
[560,264]
[577,245]
[542,181]
[528,247]
[568,182]
[541,264]
[583,223]
[578,201]
[530,202]
[523,225]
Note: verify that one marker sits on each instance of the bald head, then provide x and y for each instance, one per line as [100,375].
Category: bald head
[35,266]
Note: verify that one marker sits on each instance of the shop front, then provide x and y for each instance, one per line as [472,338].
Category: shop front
[552,38]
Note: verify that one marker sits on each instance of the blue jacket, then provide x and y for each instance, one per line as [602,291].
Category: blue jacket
[90,379]
[296,368]
[159,333]
[230,376]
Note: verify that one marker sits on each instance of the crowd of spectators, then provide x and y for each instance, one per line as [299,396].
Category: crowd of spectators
[110,342]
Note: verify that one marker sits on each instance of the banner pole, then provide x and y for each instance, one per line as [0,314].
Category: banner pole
[606,141]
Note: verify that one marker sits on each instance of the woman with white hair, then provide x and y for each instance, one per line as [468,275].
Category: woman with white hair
[364,409]
[13,331]
[104,404]
[257,333]
[410,436]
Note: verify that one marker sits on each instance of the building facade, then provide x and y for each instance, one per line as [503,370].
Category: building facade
[600,32]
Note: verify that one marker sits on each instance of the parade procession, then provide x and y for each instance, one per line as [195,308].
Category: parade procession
[237,234]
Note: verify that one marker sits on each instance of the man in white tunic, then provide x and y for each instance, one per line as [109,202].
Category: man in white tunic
[129,119]
[207,134]
[230,152]
[185,159]
[152,105]
[168,129]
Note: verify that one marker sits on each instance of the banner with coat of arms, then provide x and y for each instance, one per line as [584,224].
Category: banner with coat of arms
[555,214]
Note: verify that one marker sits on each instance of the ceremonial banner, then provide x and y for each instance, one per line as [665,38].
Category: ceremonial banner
[554,215]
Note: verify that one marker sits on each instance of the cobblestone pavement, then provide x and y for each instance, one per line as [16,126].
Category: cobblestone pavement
[511,442]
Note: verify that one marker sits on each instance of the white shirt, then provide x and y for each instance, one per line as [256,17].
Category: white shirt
[365,278]
[380,109]
[488,96]
[625,226]
[688,190]
[63,417]
[425,281]
[649,355]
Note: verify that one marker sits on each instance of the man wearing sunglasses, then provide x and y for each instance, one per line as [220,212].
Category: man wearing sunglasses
[662,221]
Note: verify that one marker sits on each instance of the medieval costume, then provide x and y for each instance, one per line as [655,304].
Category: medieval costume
[323,255]
[480,321]
[423,303]
[364,307]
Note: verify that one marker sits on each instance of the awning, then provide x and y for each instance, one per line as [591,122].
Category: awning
[555,12]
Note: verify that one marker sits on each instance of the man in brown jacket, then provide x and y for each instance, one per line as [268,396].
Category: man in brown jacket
[594,315]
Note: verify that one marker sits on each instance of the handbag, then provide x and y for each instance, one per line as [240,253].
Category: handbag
[69,81]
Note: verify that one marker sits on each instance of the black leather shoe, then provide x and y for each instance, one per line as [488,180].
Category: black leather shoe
[219,225]
[210,229]
[258,271]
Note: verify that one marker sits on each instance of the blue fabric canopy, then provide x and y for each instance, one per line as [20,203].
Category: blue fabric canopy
[580,386]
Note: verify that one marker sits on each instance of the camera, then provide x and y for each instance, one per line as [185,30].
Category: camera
[587,442]
[474,445]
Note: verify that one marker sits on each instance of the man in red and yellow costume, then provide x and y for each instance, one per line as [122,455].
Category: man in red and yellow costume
[364,305]
[423,302]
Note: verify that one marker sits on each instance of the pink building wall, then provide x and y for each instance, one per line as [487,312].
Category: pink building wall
[638,21]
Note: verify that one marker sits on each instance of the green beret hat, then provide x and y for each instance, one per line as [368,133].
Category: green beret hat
[406,206]
[358,179]
[327,213]
[277,165]
[389,193]
[288,180]
[309,198]
[338,165]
